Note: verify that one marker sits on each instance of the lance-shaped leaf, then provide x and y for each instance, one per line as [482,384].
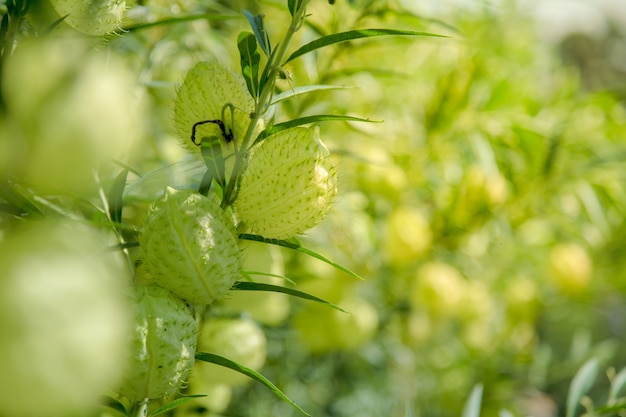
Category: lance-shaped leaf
[351,35]
[256,23]
[295,245]
[250,61]
[308,120]
[260,286]
[220,360]
[294,92]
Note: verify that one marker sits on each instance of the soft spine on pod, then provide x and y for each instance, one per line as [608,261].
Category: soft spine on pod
[190,247]
[163,345]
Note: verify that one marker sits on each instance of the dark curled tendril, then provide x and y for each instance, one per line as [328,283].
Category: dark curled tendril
[226,133]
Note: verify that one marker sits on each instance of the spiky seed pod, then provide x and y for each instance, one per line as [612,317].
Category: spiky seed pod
[288,186]
[190,247]
[207,87]
[92,17]
[163,345]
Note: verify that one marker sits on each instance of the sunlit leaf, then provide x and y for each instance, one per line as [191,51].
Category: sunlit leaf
[260,286]
[297,91]
[473,403]
[307,120]
[295,245]
[250,61]
[351,35]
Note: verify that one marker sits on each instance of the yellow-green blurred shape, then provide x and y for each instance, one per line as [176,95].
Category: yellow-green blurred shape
[64,318]
[240,340]
[268,308]
[323,329]
[439,289]
[69,109]
[571,268]
[216,400]
[407,236]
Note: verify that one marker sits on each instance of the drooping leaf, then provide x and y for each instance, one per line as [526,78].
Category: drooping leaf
[297,91]
[307,120]
[250,61]
[295,245]
[222,361]
[256,23]
[260,286]
[351,35]
[473,403]
[581,384]
[174,404]
[115,197]
[267,274]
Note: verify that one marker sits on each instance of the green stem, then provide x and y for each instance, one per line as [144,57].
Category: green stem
[263,102]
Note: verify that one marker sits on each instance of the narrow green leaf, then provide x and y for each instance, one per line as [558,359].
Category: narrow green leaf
[295,245]
[473,403]
[174,404]
[116,197]
[581,384]
[617,386]
[613,410]
[259,286]
[222,361]
[291,5]
[294,92]
[211,150]
[351,35]
[256,23]
[307,120]
[268,274]
[250,61]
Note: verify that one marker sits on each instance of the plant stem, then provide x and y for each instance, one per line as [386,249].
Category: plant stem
[263,102]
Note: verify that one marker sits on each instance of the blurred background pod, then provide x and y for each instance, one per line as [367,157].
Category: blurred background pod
[64,318]
[69,111]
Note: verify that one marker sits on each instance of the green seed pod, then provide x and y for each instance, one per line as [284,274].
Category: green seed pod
[207,88]
[288,186]
[91,17]
[163,345]
[190,247]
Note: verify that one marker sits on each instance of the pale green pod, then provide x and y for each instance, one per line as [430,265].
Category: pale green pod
[190,247]
[288,186]
[163,345]
[92,17]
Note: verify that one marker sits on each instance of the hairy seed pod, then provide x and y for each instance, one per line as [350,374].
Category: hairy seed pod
[288,186]
[92,17]
[190,247]
[163,345]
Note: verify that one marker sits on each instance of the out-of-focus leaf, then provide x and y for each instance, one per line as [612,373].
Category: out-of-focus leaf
[178,19]
[473,403]
[617,386]
[116,197]
[294,92]
[581,384]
